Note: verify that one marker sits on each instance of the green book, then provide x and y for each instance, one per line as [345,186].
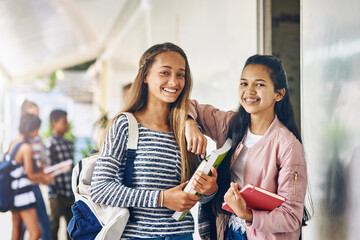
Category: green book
[213,160]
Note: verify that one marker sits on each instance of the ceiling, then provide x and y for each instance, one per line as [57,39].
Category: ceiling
[40,36]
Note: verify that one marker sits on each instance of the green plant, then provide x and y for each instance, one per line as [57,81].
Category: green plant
[86,152]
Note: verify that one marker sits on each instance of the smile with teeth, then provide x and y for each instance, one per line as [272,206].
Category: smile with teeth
[170,90]
[251,100]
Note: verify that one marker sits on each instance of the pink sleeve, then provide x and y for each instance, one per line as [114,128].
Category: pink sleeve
[215,123]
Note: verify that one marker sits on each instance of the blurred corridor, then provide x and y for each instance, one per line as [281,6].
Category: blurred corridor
[77,56]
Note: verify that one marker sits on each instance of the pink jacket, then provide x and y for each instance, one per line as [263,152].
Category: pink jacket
[276,163]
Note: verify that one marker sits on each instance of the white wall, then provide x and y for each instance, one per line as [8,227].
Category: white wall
[217,37]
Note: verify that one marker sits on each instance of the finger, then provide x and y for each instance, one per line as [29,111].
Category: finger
[203,150]
[201,176]
[237,194]
[196,144]
[192,145]
[199,146]
[182,185]
[189,145]
[193,198]
[214,172]
[227,196]
[197,186]
[237,186]
[197,181]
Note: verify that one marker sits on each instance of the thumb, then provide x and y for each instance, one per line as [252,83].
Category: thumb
[182,185]
[214,172]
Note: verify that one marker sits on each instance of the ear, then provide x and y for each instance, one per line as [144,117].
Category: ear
[145,80]
[280,94]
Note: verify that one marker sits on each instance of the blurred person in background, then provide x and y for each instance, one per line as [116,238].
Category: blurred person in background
[25,176]
[39,162]
[59,149]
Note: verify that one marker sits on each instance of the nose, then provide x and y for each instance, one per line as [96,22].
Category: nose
[251,89]
[173,80]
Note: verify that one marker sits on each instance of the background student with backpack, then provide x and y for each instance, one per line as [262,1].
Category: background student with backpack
[23,175]
[162,165]
[39,162]
[266,152]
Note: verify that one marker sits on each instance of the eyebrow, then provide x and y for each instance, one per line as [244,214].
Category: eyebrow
[256,80]
[181,69]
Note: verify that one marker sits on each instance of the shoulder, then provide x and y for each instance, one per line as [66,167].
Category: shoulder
[119,127]
[25,148]
[286,136]
[49,142]
[281,134]
[289,147]
[120,123]
[68,141]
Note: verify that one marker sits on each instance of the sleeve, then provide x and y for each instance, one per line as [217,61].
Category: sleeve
[107,180]
[214,122]
[292,182]
[50,153]
[207,198]
[44,156]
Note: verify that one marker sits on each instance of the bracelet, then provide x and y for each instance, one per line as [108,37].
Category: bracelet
[162,198]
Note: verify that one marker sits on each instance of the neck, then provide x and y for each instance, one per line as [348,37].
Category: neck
[155,117]
[58,135]
[260,124]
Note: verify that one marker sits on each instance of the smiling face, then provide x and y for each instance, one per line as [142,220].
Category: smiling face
[166,78]
[257,92]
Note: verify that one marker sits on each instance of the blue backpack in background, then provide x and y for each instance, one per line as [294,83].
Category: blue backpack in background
[6,192]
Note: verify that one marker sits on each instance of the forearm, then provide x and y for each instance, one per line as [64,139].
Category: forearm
[286,220]
[106,188]
[215,123]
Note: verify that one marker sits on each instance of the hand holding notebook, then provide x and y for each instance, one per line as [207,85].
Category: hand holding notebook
[257,198]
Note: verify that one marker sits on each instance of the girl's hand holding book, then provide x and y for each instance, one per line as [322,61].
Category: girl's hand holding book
[234,199]
[205,184]
[178,200]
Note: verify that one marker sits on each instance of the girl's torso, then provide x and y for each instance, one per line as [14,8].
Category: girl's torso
[157,166]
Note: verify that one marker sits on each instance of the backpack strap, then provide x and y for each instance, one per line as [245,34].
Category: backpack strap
[16,148]
[130,154]
[78,176]
[131,148]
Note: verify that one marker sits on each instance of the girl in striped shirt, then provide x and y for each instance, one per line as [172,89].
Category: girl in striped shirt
[162,165]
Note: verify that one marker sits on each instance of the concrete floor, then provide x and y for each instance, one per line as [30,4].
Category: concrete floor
[6,224]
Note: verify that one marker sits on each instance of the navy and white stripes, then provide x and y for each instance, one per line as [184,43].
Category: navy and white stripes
[157,167]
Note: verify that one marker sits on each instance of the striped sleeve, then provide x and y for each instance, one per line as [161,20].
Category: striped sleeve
[107,181]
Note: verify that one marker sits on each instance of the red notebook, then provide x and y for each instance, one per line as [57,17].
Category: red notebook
[258,199]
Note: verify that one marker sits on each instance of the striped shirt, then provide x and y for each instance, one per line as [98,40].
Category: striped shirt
[157,166]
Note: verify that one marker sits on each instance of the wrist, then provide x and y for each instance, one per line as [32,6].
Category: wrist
[249,215]
[212,191]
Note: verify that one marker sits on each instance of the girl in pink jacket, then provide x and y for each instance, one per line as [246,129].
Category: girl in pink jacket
[266,152]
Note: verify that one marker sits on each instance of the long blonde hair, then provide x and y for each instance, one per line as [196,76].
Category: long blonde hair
[138,96]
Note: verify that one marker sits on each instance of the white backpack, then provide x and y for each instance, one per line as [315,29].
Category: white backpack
[112,219]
